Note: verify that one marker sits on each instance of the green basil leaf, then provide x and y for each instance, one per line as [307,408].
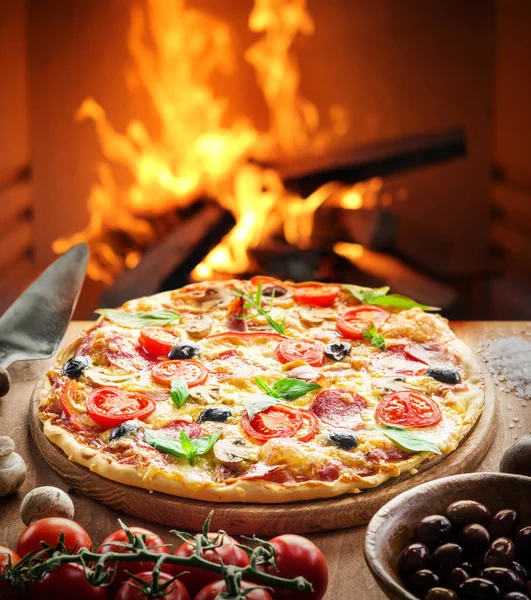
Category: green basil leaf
[179,392]
[291,388]
[255,403]
[364,294]
[409,440]
[165,443]
[188,447]
[269,391]
[399,301]
[139,319]
[205,444]
[376,338]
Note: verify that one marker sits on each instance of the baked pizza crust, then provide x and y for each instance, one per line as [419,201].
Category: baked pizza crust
[258,491]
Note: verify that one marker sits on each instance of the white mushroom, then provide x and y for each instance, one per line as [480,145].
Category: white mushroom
[46,501]
[234,453]
[12,467]
[205,394]
[315,316]
[198,327]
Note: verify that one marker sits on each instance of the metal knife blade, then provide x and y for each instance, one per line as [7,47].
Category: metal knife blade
[34,325]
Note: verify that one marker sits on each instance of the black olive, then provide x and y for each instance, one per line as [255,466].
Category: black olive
[500,554]
[438,593]
[343,438]
[505,579]
[456,577]
[474,535]
[464,512]
[446,557]
[515,596]
[519,569]
[75,366]
[503,523]
[127,428]
[183,351]
[422,581]
[277,291]
[337,350]
[523,542]
[414,558]
[432,530]
[476,588]
[528,588]
[444,374]
[219,414]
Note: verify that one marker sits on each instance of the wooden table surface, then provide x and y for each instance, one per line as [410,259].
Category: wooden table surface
[349,577]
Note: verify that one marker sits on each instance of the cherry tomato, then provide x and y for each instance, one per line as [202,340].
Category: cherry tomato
[280,421]
[316,294]
[408,409]
[109,406]
[353,322]
[48,530]
[129,590]
[307,350]
[7,556]
[68,581]
[339,408]
[227,552]
[112,543]
[212,591]
[244,337]
[157,341]
[68,400]
[297,556]
[192,373]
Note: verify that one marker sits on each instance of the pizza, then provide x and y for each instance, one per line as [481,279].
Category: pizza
[262,391]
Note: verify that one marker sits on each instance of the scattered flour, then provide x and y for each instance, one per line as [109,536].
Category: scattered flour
[509,360]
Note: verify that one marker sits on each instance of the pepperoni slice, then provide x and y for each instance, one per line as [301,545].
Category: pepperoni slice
[339,408]
[429,354]
[122,353]
[307,350]
[408,409]
[173,428]
[395,361]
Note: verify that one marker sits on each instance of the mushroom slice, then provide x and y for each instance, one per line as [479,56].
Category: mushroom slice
[205,394]
[396,384]
[234,453]
[198,327]
[315,316]
[100,377]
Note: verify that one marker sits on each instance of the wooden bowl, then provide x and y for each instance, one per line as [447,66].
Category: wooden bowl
[391,528]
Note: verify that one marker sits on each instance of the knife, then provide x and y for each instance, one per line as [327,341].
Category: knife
[34,325]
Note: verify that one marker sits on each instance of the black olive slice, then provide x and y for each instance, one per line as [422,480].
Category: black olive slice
[337,350]
[273,290]
[75,366]
[219,414]
[183,351]
[343,438]
[444,374]
[127,428]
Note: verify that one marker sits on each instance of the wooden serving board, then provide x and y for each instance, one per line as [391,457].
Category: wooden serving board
[265,519]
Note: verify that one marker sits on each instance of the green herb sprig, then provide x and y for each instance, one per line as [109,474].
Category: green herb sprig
[376,338]
[179,392]
[139,319]
[409,440]
[183,447]
[380,297]
[288,388]
[254,301]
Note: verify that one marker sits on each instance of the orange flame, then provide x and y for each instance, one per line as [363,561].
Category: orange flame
[177,50]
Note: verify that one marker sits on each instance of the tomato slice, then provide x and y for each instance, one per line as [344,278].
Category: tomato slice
[243,337]
[157,341]
[109,406]
[265,280]
[354,321]
[316,294]
[78,419]
[191,372]
[278,421]
[408,409]
[307,350]
[339,408]
[309,427]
